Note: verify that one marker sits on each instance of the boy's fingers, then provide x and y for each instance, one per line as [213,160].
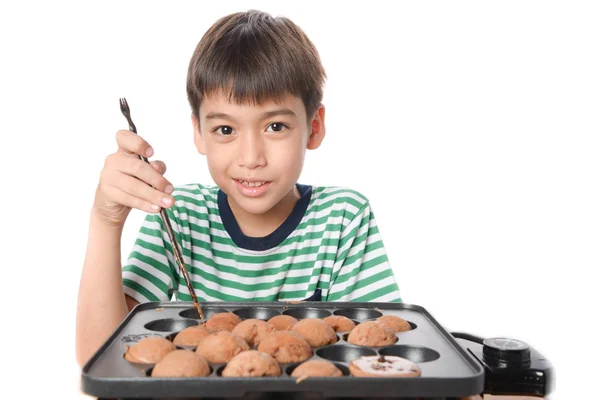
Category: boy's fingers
[159,166]
[144,172]
[142,192]
[131,143]
[129,200]
[117,165]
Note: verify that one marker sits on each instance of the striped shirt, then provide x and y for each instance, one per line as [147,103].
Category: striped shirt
[328,249]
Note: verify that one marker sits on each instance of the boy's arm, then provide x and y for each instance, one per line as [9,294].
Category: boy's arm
[101,304]
[126,182]
[361,271]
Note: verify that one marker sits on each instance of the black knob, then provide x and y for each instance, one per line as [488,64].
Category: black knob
[506,352]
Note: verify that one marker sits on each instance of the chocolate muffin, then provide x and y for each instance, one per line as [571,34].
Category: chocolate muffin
[396,323]
[339,323]
[252,363]
[315,331]
[372,334]
[316,368]
[181,363]
[286,347]
[191,336]
[224,321]
[283,322]
[253,331]
[220,347]
[384,366]
[149,350]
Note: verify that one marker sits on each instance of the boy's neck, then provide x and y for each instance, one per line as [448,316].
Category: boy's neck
[261,225]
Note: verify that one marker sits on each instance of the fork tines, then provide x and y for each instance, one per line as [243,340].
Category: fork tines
[126,113]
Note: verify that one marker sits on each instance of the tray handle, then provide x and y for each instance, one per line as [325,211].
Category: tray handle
[468,336]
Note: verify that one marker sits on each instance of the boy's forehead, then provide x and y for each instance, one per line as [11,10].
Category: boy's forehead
[219,103]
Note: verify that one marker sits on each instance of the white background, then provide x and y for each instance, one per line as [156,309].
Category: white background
[473,127]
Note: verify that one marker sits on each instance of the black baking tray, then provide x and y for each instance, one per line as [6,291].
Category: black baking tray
[447,370]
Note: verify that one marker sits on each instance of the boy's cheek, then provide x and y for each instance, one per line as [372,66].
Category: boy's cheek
[287,158]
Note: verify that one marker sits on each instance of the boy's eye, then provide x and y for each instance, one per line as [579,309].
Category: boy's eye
[224,130]
[277,127]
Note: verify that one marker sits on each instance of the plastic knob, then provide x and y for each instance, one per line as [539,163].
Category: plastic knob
[506,352]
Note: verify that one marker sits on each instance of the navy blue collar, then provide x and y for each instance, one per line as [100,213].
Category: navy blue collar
[273,239]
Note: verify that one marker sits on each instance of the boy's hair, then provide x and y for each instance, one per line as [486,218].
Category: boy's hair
[252,57]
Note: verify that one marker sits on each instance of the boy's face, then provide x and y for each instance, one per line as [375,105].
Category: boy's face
[255,154]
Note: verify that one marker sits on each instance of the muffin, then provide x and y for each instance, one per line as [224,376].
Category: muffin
[396,323]
[286,347]
[224,321]
[149,350]
[372,334]
[283,322]
[315,331]
[181,363]
[220,347]
[339,323]
[384,366]
[316,368]
[253,331]
[191,336]
[252,363]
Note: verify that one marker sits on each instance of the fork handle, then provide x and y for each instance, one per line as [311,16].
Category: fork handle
[131,125]
[178,254]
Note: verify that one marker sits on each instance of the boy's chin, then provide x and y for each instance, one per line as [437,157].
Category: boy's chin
[257,205]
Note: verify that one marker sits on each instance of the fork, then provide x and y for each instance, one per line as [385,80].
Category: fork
[167,222]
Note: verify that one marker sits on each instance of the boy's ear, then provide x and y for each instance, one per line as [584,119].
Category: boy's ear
[198,139]
[317,129]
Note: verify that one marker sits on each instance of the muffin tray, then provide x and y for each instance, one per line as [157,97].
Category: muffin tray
[447,370]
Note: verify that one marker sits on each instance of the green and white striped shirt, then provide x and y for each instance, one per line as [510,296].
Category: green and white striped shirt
[328,249]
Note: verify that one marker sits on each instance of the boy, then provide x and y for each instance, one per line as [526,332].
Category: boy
[255,89]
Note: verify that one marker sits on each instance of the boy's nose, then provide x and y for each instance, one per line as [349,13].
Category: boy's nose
[251,151]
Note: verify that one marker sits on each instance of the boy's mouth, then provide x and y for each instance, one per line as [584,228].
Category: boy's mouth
[251,183]
[251,188]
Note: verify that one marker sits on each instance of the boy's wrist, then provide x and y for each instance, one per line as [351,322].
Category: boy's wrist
[98,220]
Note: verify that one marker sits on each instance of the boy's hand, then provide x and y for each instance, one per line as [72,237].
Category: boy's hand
[125,182]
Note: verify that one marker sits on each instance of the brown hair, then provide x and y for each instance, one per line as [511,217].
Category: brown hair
[253,57]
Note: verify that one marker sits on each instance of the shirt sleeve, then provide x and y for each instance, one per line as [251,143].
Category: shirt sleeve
[149,273]
[361,272]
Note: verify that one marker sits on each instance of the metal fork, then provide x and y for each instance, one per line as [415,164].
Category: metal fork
[167,222]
